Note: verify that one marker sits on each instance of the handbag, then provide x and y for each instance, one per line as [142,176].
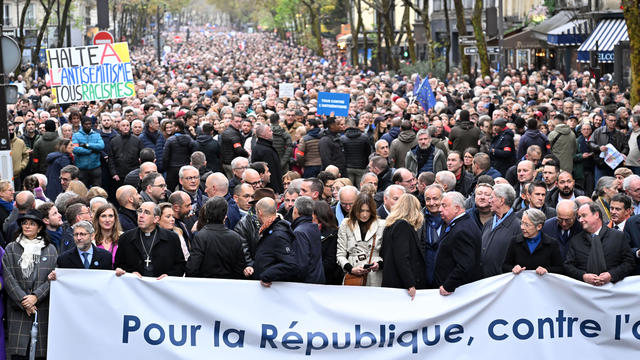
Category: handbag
[359,280]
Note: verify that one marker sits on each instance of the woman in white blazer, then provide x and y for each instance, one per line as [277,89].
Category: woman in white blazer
[358,235]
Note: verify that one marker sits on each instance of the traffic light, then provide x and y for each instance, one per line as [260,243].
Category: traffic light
[593,59]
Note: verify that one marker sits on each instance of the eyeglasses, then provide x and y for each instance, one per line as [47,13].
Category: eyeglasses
[143,211]
[65,179]
[241,168]
[191,178]
[78,235]
[163,186]
[253,183]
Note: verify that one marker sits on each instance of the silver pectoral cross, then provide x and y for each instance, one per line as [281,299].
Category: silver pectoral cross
[147,261]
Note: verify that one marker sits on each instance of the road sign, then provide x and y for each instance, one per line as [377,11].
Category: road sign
[10,55]
[103,37]
[470,50]
[493,50]
[177,39]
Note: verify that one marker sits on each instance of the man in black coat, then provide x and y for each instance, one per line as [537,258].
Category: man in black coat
[330,146]
[263,150]
[458,259]
[275,258]
[231,142]
[124,153]
[464,179]
[564,225]
[357,149]
[598,255]
[149,250]
[210,148]
[502,152]
[308,241]
[129,201]
[85,255]
[216,252]
[177,153]
[632,235]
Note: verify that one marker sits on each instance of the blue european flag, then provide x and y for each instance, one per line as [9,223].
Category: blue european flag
[416,85]
[425,95]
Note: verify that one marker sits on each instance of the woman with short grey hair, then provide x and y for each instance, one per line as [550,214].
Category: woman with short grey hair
[532,249]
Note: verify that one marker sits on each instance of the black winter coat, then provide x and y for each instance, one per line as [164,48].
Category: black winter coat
[263,150]
[231,145]
[332,272]
[216,252]
[248,228]
[546,254]
[465,184]
[356,147]
[617,254]
[403,250]
[166,254]
[458,258]
[124,154]
[275,258]
[211,150]
[502,152]
[332,153]
[177,151]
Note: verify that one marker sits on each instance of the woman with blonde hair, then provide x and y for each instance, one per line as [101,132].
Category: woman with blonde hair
[78,188]
[405,265]
[107,229]
[359,241]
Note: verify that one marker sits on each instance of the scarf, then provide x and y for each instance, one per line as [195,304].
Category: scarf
[339,215]
[7,205]
[266,224]
[30,255]
[596,263]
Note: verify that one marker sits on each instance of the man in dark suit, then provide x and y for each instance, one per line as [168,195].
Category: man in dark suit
[391,196]
[564,225]
[458,259]
[599,255]
[632,235]
[85,255]
[149,250]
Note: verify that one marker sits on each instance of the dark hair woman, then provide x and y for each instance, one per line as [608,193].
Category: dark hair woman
[323,216]
[26,264]
[359,240]
[55,162]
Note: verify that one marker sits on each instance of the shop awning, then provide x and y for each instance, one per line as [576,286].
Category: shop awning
[606,36]
[570,34]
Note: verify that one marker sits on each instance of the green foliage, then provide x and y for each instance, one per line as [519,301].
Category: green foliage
[438,69]
[551,6]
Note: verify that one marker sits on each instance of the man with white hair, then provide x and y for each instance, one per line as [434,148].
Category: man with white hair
[346,197]
[458,259]
[218,185]
[500,230]
[631,187]
[391,196]
[446,179]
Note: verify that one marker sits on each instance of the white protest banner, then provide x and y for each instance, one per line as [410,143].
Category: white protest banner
[90,73]
[285,90]
[505,317]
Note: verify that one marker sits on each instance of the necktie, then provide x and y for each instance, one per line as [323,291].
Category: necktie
[565,236]
[86,264]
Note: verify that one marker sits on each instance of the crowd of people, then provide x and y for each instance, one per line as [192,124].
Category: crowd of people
[208,172]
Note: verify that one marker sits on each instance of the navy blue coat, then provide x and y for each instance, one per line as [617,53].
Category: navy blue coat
[458,258]
[275,258]
[551,229]
[156,142]
[632,235]
[55,162]
[128,219]
[532,137]
[71,259]
[308,240]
